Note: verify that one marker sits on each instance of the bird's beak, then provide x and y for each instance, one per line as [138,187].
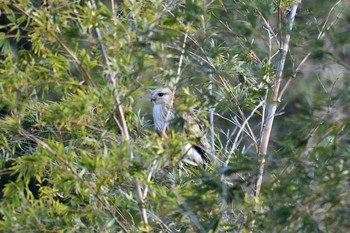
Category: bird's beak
[153,99]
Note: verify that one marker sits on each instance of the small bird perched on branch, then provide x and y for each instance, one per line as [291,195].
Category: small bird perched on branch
[163,113]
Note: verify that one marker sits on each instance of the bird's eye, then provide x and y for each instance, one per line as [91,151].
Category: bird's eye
[161,94]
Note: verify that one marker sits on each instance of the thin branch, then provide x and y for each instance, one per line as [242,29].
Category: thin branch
[149,177]
[320,36]
[160,222]
[211,118]
[234,146]
[226,85]
[121,122]
[112,79]
[293,76]
[141,199]
[269,29]
[234,122]
[179,69]
[103,51]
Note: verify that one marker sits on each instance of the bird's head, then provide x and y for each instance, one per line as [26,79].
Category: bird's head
[161,96]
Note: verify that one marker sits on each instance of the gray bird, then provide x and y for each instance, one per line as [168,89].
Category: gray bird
[163,113]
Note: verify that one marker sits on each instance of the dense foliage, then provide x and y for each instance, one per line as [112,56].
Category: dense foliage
[78,151]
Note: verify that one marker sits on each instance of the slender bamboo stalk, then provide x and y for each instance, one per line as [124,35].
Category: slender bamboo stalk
[179,71]
[272,107]
[277,94]
[211,118]
[123,125]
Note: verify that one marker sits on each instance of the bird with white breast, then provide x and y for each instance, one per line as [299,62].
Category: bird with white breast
[163,113]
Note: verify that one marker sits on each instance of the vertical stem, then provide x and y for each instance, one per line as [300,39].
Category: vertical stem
[272,107]
[179,70]
[122,122]
[265,137]
[211,119]
[277,94]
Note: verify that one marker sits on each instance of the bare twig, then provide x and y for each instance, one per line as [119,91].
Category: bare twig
[323,29]
[235,122]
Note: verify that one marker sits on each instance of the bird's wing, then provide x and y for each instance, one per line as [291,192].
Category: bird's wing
[198,151]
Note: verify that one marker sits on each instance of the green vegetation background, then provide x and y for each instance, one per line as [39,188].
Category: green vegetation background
[67,168]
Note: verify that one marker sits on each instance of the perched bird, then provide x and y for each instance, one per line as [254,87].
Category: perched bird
[163,113]
[162,99]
